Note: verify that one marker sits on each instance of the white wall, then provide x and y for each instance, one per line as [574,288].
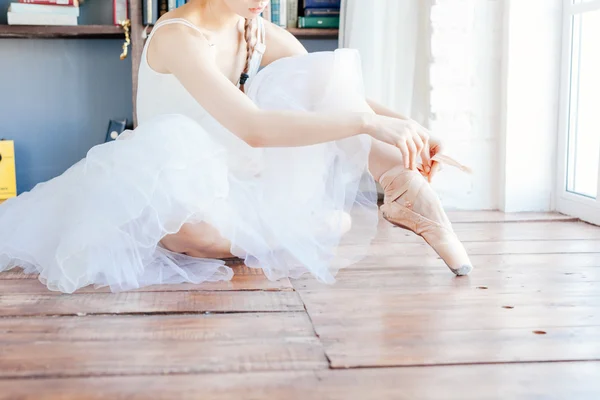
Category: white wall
[466,49]
[531,87]
[494,98]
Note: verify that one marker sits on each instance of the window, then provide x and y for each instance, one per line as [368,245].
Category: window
[579,144]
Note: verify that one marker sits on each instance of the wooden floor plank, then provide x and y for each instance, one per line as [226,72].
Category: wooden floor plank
[352,347]
[346,302]
[139,357]
[422,249]
[501,217]
[491,232]
[181,328]
[438,280]
[244,279]
[552,263]
[549,381]
[504,314]
[248,282]
[148,302]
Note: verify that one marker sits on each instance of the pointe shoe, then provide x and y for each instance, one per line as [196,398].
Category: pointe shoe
[411,203]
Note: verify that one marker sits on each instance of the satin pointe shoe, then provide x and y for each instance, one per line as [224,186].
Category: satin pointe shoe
[410,203]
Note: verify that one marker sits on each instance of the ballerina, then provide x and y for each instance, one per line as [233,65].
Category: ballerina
[277,166]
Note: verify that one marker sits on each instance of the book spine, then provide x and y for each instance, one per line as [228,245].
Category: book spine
[43,9]
[150,11]
[163,7]
[8,177]
[275,11]
[53,2]
[319,22]
[146,12]
[120,11]
[292,13]
[40,19]
[283,13]
[322,3]
[172,5]
[322,12]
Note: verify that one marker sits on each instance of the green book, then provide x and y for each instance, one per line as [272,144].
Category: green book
[319,22]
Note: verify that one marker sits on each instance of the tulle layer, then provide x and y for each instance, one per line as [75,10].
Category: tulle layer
[288,211]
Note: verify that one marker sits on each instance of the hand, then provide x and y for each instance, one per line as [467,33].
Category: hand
[407,135]
[431,167]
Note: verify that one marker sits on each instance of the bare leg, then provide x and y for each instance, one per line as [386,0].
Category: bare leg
[382,158]
[198,240]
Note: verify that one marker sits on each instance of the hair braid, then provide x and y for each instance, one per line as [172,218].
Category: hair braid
[250,44]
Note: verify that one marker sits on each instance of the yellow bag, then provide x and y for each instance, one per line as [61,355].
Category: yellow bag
[8,178]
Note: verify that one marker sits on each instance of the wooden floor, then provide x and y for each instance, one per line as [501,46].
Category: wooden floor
[399,325]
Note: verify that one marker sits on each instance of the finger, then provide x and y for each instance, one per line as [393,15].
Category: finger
[412,150]
[404,150]
[419,144]
[422,131]
[435,167]
[426,156]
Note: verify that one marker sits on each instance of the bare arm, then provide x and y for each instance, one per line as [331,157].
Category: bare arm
[187,55]
[380,109]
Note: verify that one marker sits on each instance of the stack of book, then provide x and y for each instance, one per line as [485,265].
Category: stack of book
[283,13]
[320,14]
[304,13]
[152,10]
[43,12]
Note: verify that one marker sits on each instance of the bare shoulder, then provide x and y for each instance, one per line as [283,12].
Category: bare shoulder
[173,40]
[280,43]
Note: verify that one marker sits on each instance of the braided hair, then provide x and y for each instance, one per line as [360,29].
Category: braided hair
[250,44]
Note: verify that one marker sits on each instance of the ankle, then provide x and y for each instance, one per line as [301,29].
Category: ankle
[386,178]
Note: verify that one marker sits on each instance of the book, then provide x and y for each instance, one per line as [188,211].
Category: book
[8,178]
[321,12]
[163,7]
[319,22]
[322,3]
[275,7]
[292,13]
[150,12]
[172,4]
[43,9]
[282,13]
[53,2]
[40,19]
[120,11]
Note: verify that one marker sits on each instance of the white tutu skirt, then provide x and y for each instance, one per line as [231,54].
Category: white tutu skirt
[288,211]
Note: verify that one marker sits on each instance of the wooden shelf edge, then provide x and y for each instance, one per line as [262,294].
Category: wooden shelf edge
[306,33]
[61,32]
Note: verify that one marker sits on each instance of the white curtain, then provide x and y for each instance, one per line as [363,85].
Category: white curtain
[393,38]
